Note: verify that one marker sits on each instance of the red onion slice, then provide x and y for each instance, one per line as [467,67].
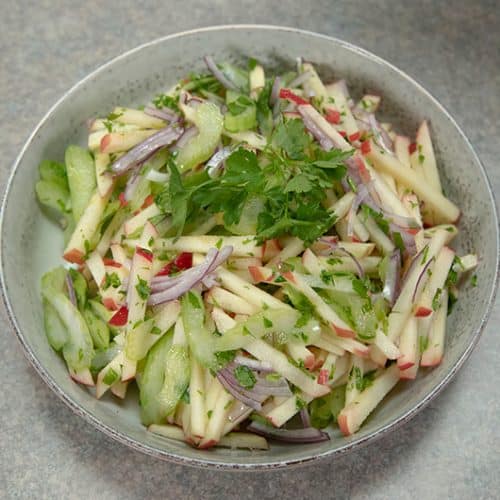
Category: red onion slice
[209,281]
[261,390]
[408,239]
[275,92]
[381,137]
[162,114]
[306,419]
[145,149]
[318,133]
[188,134]
[308,435]
[71,290]
[251,399]
[420,277]
[216,163]
[179,285]
[212,66]
[132,183]
[332,245]
[359,267]
[361,196]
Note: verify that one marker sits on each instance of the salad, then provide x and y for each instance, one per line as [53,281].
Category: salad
[259,253]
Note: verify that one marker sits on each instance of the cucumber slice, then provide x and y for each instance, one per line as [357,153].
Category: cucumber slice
[242,113]
[208,119]
[152,379]
[80,286]
[201,341]
[98,329]
[249,217]
[177,376]
[52,195]
[54,327]
[81,178]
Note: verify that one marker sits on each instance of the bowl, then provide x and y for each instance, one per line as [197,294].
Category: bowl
[31,244]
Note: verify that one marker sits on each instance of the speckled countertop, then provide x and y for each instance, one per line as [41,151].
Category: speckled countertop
[451,449]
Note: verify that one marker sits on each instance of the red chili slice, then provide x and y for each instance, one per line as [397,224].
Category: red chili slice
[120,317]
[290,96]
[412,147]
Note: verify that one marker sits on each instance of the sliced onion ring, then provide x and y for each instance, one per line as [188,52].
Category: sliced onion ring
[308,435]
[145,149]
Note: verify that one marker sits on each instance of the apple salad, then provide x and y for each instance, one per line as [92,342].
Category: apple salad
[260,254]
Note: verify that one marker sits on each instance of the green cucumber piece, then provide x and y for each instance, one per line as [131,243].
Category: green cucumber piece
[54,327]
[285,325]
[53,196]
[176,380]
[80,287]
[242,112]
[80,169]
[209,121]
[152,379]
[249,217]
[98,329]
[200,340]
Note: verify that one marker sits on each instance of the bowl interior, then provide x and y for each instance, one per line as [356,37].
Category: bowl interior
[31,244]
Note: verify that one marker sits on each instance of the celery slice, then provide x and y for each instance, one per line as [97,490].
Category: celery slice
[81,178]
[208,119]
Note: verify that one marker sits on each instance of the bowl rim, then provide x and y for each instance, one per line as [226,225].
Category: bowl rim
[208,462]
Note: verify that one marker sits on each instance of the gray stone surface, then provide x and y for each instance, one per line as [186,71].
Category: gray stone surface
[451,449]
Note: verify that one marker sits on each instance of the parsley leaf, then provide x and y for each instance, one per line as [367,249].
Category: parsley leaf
[111,280]
[142,288]
[245,376]
[292,138]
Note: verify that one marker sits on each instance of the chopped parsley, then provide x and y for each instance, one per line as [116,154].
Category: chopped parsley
[112,280]
[290,185]
[111,377]
[155,331]
[143,288]
[267,322]
[326,277]
[185,398]
[299,403]
[425,253]
[423,343]
[473,280]
[436,299]
[166,101]
[245,376]
[224,357]
[194,300]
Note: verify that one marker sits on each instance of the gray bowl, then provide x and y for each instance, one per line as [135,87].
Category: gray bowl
[31,244]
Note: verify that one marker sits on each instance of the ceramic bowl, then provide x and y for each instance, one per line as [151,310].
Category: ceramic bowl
[31,244]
